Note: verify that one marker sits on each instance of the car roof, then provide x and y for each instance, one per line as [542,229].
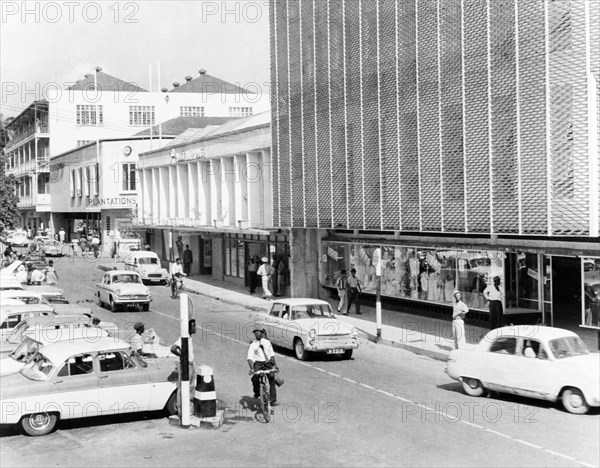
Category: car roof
[19,292]
[143,253]
[8,310]
[122,272]
[61,350]
[44,289]
[540,332]
[57,319]
[70,334]
[300,301]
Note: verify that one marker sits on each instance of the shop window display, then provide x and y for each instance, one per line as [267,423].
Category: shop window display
[416,273]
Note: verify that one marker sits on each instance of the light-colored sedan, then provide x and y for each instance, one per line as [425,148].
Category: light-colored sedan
[122,289]
[11,316]
[51,248]
[307,326]
[80,379]
[18,238]
[148,265]
[533,361]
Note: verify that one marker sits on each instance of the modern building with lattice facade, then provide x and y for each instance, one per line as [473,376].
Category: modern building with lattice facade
[460,137]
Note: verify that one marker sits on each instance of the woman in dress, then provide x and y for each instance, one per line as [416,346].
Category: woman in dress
[51,275]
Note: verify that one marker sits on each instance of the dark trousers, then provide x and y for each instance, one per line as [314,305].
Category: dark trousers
[270,376]
[496,315]
[354,298]
[186,268]
[253,281]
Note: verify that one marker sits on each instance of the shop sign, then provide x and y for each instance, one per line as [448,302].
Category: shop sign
[433,262]
[112,202]
[189,155]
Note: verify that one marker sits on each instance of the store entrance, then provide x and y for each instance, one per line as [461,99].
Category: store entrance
[566,292]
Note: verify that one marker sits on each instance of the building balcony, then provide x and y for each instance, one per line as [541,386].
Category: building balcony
[27,132]
[40,201]
[28,167]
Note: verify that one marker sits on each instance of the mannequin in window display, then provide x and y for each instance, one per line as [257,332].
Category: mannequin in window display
[406,284]
[425,283]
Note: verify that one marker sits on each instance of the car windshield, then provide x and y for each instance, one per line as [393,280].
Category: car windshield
[312,311]
[39,368]
[17,332]
[148,261]
[124,278]
[25,351]
[28,299]
[568,346]
[51,243]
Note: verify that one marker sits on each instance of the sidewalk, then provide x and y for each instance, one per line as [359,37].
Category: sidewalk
[422,335]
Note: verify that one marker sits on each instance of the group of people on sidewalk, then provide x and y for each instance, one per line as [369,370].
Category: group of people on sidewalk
[272,276]
[349,290]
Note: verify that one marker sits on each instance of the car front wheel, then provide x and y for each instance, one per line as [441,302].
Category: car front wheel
[574,401]
[113,305]
[39,424]
[301,353]
[472,387]
[348,354]
[100,303]
[171,406]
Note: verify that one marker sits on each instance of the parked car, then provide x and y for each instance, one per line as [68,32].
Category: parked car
[52,294]
[49,326]
[51,248]
[79,379]
[534,361]
[25,296]
[122,289]
[24,352]
[11,316]
[38,241]
[307,326]
[148,265]
[18,239]
[9,282]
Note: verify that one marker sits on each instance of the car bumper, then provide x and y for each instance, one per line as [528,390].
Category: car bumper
[132,301]
[330,347]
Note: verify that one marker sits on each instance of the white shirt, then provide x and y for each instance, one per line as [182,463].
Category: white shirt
[255,354]
[137,342]
[459,309]
[37,275]
[176,268]
[263,270]
[190,348]
[492,294]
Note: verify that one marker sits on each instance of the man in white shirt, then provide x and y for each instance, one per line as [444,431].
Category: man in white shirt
[137,342]
[36,276]
[176,273]
[262,357]
[494,295]
[265,271]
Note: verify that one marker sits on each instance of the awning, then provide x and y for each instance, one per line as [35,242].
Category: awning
[207,229]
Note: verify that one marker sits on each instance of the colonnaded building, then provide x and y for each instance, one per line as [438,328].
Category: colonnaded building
[458,136]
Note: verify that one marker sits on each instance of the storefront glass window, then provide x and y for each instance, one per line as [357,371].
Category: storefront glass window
[234,258]
[416,273]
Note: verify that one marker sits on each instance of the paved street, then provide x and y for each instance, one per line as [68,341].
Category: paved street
[386,406]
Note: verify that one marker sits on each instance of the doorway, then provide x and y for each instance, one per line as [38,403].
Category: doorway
[566,292]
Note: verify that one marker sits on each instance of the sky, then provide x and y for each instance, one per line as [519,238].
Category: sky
[47,42]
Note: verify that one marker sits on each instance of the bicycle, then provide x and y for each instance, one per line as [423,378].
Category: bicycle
[176,286]
[264,399]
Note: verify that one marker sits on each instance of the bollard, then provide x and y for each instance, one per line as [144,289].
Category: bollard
[205,397]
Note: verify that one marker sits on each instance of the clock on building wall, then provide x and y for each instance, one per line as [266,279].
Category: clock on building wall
[127,150]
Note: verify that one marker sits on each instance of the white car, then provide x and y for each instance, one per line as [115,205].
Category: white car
[307,326]
[27,297]
[11,316]
[533,361]
[24,352]
[122,289]
[85,378]
[148,265]
[18,238]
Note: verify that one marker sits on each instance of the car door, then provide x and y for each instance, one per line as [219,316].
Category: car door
[75,387]
[274,324]
[535,373]
[496,366]
[124,386]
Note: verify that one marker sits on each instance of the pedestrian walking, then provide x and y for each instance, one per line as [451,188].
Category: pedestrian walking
[354,290]
[252,276]
[74,244]
[459,311]
[83,245]
[188,259]
[342,286]
[282,271]
[51,275]
[179,245]
[493,294]
[265,271]
[96,244]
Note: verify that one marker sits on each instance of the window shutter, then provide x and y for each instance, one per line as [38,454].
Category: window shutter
[72,182]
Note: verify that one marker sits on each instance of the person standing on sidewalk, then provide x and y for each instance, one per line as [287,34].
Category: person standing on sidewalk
[493,294]
[459,311]
[342,287]
[252,269]
[188,259]
[265,271]
[354,291]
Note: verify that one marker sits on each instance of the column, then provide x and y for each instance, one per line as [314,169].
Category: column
[254,189]
[227,192]
[172,185]
[193,187]
[155,207]
[214,174]
[241,187]
[181,187]
[267,188]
